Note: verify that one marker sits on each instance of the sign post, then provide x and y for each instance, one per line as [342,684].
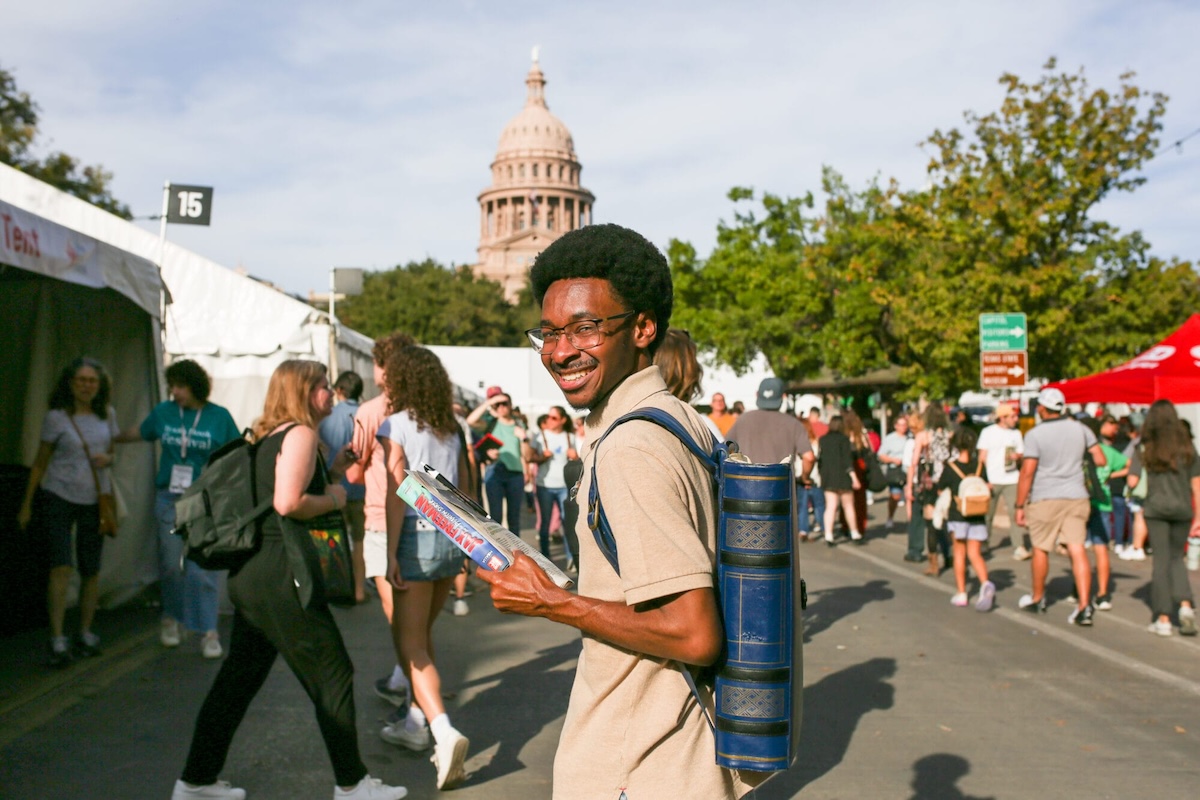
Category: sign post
[1003,350]
[343,281]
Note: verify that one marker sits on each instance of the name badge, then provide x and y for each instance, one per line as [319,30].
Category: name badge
[181,478]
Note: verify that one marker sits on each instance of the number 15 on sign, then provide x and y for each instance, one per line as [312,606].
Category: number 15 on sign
[188,205]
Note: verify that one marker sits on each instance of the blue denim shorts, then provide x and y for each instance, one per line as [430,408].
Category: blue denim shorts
[1099,528]
[427,555]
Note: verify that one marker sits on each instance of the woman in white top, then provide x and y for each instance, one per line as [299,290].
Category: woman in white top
[70,472]
[422,562]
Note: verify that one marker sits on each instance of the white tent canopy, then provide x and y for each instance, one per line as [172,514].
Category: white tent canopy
[65,294]
[237,328]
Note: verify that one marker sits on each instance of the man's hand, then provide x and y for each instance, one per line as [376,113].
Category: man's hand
[523,588]
[1020,518]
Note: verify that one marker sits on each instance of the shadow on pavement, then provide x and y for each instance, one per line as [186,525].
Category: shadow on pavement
[937,777]
[832,710]
[528,697]
[831,605]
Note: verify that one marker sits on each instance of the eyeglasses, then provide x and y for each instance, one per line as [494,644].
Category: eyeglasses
[583,334]
[502,403]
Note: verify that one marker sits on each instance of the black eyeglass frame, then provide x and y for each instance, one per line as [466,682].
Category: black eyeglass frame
[529,334]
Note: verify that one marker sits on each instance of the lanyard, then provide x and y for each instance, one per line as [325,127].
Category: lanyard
[184,434]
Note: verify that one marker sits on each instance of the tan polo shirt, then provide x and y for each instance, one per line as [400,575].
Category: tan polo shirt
[632,723]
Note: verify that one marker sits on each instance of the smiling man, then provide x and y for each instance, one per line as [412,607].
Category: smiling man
[633,730]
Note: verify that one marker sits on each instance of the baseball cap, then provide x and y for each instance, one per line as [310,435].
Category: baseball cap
[1052,400]
[492,391]
[770,394]
[1005,410]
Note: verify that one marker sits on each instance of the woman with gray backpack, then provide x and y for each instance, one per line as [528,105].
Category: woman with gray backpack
[279,604]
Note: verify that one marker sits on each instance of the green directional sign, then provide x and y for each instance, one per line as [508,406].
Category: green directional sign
[1003,332]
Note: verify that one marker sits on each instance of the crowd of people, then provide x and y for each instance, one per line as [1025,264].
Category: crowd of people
[1075,486]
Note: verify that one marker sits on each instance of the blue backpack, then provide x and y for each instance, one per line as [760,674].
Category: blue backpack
[758,680]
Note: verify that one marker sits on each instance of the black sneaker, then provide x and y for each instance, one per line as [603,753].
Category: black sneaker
[1104,602]
[1082,616]
[1027,603]
[82,648]
[58,658]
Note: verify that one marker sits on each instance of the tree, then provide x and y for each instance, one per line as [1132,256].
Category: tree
[18,135]
[436,306]
[1007,224]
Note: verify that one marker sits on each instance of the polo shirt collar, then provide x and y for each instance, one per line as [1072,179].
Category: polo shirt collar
[631,393]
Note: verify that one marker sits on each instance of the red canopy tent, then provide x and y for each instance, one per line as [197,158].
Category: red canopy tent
[1170,370]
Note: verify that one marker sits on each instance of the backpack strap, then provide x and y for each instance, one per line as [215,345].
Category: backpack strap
[602,530]
[953,464]
[596,518]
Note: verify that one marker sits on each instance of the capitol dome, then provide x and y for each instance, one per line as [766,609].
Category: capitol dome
[535,129]
[535,196]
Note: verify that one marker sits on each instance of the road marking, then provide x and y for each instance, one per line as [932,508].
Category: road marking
[45,699]
[1031,621]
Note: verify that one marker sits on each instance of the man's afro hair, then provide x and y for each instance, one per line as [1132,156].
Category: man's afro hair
[635,268]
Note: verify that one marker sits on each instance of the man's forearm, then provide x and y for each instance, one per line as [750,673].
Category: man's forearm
[690,632]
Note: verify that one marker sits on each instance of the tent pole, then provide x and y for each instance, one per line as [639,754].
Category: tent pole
[333,364]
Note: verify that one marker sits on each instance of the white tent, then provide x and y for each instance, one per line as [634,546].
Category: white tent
[63,295]
[237,328]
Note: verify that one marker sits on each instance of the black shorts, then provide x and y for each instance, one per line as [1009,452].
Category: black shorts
[58,517]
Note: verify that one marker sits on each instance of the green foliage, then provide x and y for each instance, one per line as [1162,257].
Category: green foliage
[437,306]
[889,276]
[18,134]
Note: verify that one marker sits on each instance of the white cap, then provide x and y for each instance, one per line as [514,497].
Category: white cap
[1052,400]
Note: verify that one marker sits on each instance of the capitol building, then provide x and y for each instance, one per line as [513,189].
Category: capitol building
[535,196]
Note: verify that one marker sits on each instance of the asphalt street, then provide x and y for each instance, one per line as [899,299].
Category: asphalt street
[905,696]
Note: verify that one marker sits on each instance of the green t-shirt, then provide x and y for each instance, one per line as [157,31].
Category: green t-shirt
[188,436]
[510,450]
[1116,463]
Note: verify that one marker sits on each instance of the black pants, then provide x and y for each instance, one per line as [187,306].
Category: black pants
[269,620]
[1169,580]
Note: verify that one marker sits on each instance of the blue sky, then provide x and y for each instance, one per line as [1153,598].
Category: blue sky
[360,133]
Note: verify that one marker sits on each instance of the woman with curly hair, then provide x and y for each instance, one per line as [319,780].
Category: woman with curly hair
[70,472]
[422,562]
[1172,512]
[278,602]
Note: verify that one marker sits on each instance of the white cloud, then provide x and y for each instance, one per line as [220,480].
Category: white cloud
[361,133]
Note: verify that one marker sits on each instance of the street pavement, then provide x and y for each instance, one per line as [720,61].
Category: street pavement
[905,696]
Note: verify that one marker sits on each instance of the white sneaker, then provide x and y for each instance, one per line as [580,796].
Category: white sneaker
[221,790]
[448,757]
[397,734]
[855,536]
[1187,621]
[959,600]
[1119,550]
[211,646]
[168,632]
[1161,628]
[370,789]
[1021,553]
[1134,554]
[461,609]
